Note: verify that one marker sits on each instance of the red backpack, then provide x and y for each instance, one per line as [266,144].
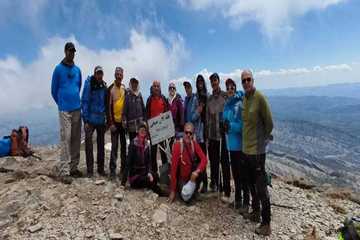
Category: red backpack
[20,142]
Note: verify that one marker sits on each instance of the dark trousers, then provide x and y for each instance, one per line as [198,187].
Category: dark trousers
[154,159]
[119,132]
[100,133]
[132,135]
[144,182]
[204,177]
[239,171]
[215,161]
[258,186]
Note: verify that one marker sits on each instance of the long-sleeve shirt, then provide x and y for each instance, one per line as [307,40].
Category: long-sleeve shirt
[134,112]
[257,123]
[192,115]
[233,115]
[65,87]
[182,167]
[214,108]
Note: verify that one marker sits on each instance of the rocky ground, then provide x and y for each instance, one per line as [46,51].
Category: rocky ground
[35,206]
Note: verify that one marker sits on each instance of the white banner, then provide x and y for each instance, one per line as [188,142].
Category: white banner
[161,128]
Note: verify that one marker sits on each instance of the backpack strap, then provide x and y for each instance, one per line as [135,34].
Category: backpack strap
[182,148]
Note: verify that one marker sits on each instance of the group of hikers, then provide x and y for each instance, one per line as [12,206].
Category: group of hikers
[230,128]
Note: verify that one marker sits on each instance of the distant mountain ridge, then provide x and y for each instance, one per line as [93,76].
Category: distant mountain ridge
[350,90]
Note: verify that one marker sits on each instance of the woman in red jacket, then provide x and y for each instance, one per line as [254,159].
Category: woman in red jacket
[188,162]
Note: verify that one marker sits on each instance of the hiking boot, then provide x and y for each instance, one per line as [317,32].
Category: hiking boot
[76,174]
[112,176]
[264,230]
[254,216]
[102,173]
[244,210]
[225,199]
[236,205]
[203,189]
[65,180]
[214,188]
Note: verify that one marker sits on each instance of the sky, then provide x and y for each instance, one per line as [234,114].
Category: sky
[286,43]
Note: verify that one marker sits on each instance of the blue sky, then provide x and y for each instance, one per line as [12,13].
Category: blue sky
[303,43]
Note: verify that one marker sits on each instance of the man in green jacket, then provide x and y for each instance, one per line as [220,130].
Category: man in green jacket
[257,128]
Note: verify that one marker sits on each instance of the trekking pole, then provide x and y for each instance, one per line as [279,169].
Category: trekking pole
[231,173]
[220,153]
[220,170]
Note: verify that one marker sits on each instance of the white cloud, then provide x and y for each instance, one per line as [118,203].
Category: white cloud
[293,77]
[274,16]
[147,58]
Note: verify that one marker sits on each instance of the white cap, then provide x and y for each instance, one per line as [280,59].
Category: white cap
[188,190]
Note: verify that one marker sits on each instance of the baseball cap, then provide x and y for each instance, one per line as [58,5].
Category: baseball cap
[214,76]
[98,69]
[186,83]
[188,190]
[119,69]
[70,46]
[134,80]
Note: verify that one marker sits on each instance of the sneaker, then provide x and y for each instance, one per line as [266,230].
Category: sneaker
[253,216]
[214,188]
[264,230]
[65,180]
[76,174]
[102,173]
[244,210]
[225,199]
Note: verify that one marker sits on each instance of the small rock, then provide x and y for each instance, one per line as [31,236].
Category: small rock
[119,196]
[89,235]
[164,207]
[153,196]
[160,216]
[116,236]
[35,228]
[100,182]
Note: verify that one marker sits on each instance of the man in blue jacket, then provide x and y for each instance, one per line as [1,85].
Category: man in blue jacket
[192,112]
[94,107]
[233,130]
[65,90]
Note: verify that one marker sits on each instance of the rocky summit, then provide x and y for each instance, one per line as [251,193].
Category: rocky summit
[34,205]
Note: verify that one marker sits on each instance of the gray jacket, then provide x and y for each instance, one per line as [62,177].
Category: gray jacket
[214,109]
[134,111]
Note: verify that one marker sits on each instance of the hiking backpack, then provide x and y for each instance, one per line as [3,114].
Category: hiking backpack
[5,146]
[350,230]
[20,142]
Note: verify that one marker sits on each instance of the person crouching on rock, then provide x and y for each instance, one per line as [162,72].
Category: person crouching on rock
[188,163]
[138,169]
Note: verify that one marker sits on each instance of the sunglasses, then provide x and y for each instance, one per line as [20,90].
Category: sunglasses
[172,88]
[246,80]
[188,133]
[230,87]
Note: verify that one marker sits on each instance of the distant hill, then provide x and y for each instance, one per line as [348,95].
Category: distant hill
[341,113]
[351,90]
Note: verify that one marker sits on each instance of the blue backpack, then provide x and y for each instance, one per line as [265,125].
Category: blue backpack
[5,146]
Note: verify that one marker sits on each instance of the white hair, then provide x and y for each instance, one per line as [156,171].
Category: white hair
[247,71]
